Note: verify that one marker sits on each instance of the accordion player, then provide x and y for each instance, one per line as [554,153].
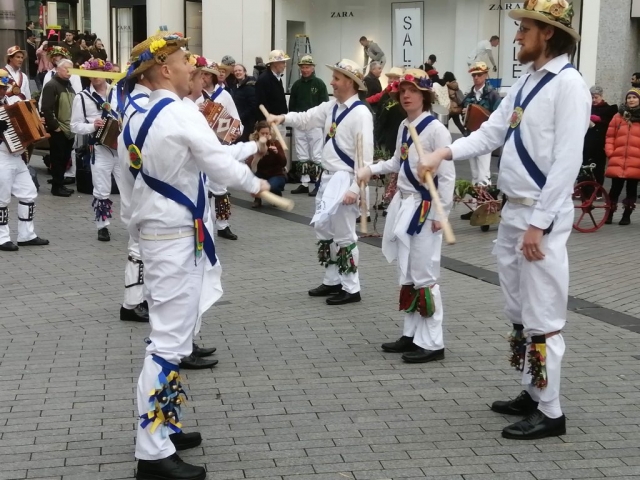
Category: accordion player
[24,127]
[107,135]
[476,116]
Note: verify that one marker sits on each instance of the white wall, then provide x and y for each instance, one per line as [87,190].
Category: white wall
[589,43]
[165,12]
[100,21]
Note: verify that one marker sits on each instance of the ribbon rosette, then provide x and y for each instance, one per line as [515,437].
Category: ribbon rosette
[135,157]
[332,130]
[404,151]
[106,106]
[516,117]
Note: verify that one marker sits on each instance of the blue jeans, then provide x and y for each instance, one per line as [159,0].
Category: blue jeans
[277,184]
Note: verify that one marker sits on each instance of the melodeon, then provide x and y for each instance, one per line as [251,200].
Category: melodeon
[221,122]
[24,125]
[107,135]
[476,116]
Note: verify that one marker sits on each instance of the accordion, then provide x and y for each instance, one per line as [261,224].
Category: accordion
[107,135]
[221,122]
[24,127]
[476,116]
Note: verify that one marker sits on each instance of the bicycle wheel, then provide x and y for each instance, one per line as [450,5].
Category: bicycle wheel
[592,206]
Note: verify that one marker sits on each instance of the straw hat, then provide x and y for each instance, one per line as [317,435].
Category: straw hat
[277,56]
[479,67]
[212,68]
[5,79]
[154,51]
[350,69]
[418,78]
[197,61]
[395,71]
[557,13]
[11,51]
[306,60]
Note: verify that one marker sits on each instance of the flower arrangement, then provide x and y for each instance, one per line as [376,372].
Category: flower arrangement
[97,64]
[58,51]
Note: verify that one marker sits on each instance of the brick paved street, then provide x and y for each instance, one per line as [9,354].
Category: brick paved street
[302,390]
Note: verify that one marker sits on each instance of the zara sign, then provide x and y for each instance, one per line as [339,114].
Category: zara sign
[407,36]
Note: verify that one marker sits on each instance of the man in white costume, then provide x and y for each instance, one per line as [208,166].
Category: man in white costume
[213,89]
[342,118]
[412,232]
[173,151]
[541,124]
[92,108]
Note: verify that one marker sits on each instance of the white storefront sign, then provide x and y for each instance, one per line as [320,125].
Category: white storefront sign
[407,37]
[510,67]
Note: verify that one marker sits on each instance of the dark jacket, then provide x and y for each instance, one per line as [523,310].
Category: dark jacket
[490,99]
[244,96]
[101,54]
[272,164]
[57,99]
[33,66]
[390,116]
[595,138]
[373,84]
[307,93]
[73,49]
[270,93]
[81,56]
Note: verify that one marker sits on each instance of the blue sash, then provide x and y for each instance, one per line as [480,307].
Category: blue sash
[420,217]
[131,101]
[215,94]
[516,120]
[332,132]
[203,239]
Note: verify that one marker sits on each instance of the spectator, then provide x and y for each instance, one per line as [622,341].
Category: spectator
[623,149]
[44,63]
[244,96]
[269,87]
[228,63]
[372,79]
[372,52]
[258,68]
[429,64]
[57,101]
[32,57]
[456,100]
[271,167]
[601,115]
[70,44]
[484,49]
[635,80]
[392,75]
[30,25]
[98,51]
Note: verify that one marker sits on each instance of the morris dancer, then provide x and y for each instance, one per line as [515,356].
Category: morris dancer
[214,90]
[336,209]
[91,110]
[20,89]
[172,150]
[541,124]
[15,180]
[412,233]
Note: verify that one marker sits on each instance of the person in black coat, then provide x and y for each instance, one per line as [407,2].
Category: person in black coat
[31,54]
[244,96]
[594,140]
[372,79]
[270,87]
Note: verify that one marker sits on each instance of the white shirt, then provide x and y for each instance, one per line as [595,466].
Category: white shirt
[82,125]
[481,50]
[358,120]
[20,79]
[178,147]
[553,128]
[434,136]
[478,93]
[224,99]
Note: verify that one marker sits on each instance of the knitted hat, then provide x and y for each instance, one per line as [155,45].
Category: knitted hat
[228,60]
[352,70]
[557,13]
[634,91]
[154,51]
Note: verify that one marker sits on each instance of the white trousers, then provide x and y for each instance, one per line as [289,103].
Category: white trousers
[106,163]
[341,228]
[481,169]
[217,189]
[536,293]
[15,180]
[309,145]
[71,171]
[174,284]
[133,277]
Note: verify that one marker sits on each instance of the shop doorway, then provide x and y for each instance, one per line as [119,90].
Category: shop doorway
[128,28]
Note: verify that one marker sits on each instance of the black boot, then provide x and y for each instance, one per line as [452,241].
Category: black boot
[626,216]
[34,242]
[202,352]
[137,314]
[183,441]
[313,192]
[59,191]
[103,234]
[422,355]
[523,404]
[402,345]
[325,290]
[466,216]
[170,468]
[343,298]
[227,233]
[300,189]
[196,363]
[368,219]
[537,425]
[9,247]
[609,219]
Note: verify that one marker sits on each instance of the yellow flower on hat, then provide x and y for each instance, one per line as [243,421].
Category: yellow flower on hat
[157,45]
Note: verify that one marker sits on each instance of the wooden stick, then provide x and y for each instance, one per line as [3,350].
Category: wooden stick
[277,201]
[274,128]
[363,186]
[435,196]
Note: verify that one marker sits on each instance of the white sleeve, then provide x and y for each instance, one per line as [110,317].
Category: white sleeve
[241,151]
[76,84]
[312,118]
[26,89]
[446,173]
[78,120]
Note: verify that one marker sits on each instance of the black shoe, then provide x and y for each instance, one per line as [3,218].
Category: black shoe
[466,216]
[34,242]
[202,352]
[61,192]
[403,344]
[196,363]
[9,247]
[183,441]
[300,189]
[626,217]
[343,298]
[170,468]
[537,425]
[69,180]
[422,355]
[368,219]
[313,192]
[227,233]
[523,404]
[137,314]
[609,219]
[325,290]
[103,234]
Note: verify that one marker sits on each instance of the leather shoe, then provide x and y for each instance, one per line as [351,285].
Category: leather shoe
[368,219]
[183,441]
[227,233]
[523,404]
[196,363]
[61,192]
[343,298]
[137,314]
[537,425]
[202,352]
[9,247]
[422,355]
[313,192]
[170,468]
[325,290]
[466,216]
[403,344]
[300,189]
[103,235]
[34,242]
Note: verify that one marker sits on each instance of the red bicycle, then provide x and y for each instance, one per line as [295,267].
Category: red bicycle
[591,201]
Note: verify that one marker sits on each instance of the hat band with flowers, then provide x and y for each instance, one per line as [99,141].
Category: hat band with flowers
[350,69]
[423,83]
[560,11]
[5,79]
[97,64]
[197,61]
[154,51]
[58,51]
